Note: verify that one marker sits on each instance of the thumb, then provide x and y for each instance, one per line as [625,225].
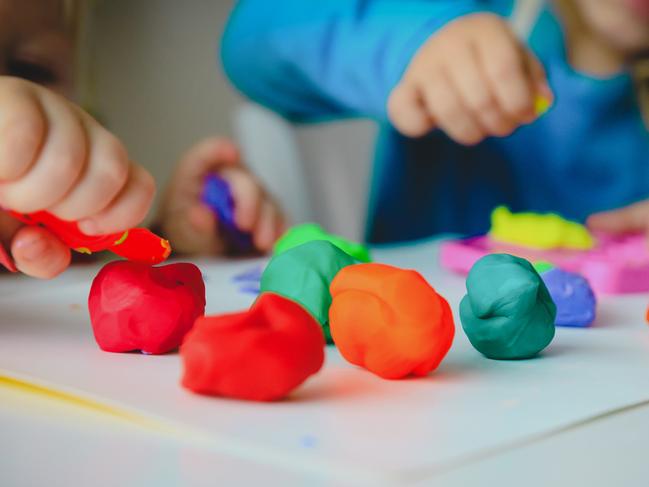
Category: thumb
[630,219]
[34,250]
[38,253]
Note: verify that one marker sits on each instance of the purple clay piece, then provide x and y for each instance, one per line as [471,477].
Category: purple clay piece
[573,296]
[218,196]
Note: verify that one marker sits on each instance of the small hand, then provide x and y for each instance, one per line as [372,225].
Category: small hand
[55,157]
[472,79]
[191,226]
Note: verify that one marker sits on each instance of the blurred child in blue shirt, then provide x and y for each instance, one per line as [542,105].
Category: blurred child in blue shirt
[454,89]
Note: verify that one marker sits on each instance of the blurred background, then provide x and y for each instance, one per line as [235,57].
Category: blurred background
[151,73]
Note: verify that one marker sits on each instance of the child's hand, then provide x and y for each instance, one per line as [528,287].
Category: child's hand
[472,79]
[630,219]
[191,226]
[55,157]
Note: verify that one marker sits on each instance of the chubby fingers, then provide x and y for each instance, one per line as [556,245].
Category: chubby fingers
[38,253]
[113,194]
[190,224]
[255,211]
[630,219]
[472,79]
[127,209]
[407,110]
[66,163]
[49,160]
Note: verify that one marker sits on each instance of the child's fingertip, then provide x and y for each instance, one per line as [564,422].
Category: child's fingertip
[89,227]
[40,254]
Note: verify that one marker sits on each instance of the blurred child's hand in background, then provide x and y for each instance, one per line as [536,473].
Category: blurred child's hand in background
[472,79]
[191,226]
[630,219]
[55,157]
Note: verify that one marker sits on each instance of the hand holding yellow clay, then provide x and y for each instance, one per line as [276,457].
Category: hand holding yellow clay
[472,79]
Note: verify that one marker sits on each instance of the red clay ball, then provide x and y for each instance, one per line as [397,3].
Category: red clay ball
[259,355]
[135,306]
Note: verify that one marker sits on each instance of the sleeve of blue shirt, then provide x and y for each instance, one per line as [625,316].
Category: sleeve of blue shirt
[313,60]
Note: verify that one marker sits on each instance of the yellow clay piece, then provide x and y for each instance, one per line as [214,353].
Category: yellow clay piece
[541,105]
[539,231]
[121,239]
[83,250]
[167,246]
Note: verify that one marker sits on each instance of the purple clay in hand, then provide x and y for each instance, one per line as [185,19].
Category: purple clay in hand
[218,196]
[573,297]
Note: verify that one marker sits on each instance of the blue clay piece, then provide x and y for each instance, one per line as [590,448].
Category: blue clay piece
[218,196]
[250,275]
[573,297]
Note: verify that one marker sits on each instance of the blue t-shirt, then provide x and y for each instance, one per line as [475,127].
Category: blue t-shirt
[316,61]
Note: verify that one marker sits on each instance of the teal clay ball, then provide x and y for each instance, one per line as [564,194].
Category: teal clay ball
[507,312]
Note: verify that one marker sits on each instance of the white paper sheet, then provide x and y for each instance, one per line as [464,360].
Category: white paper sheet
[345,422]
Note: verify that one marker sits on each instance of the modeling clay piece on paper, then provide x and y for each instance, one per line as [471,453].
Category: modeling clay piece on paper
[304,274]
[389,320]
[614,265]
[218,196]
[573,297]
[260,355]
[507,312]
[308,232]
[541,105]
[135,306]
[137,244]
[538,231]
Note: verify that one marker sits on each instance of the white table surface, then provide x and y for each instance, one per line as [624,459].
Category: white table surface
[577,414]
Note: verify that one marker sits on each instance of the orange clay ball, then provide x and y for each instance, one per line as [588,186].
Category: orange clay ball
[389,320]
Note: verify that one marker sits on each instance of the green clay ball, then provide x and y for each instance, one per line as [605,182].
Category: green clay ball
[303,274]
[508,312]
[309,232]
[542,266]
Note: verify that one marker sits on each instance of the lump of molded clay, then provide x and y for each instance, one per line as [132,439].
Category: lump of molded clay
[258,355]
[308,232]
[389,320]
[303,274]
[507,312]
[539,231]
[573,297]
[135,306]
[136,244]
[217,195]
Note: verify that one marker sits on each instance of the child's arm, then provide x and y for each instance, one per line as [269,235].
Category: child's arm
[55,157]
[424,64]
[192,226]
[309,60]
